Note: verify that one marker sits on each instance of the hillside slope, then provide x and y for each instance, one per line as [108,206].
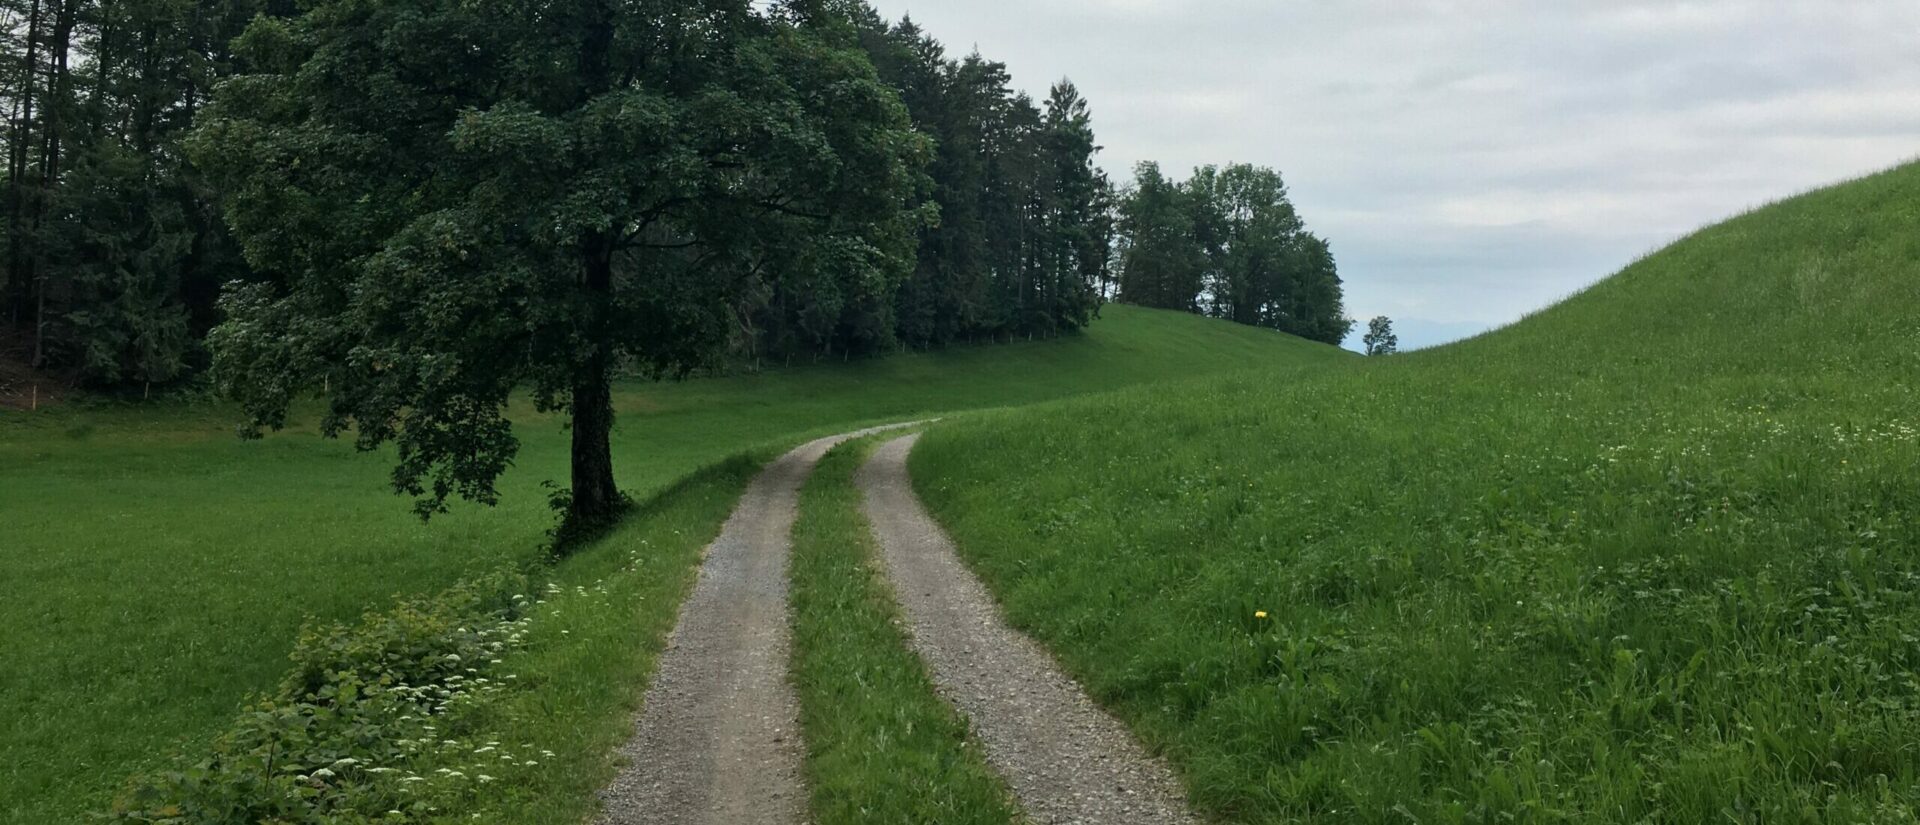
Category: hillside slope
[1649,555]
[158,569]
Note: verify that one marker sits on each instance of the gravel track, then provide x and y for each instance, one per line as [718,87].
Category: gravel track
[718,738]
[1065,759]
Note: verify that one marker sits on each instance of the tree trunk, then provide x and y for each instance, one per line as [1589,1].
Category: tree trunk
[595,499]
[18,153]
[39,327]
[52,140]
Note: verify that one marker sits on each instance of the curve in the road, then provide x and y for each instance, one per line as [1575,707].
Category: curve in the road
[718,739]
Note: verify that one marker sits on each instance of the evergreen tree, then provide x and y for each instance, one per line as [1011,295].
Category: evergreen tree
[44,108]
[1075,249]
[1162,264]
[113,250]
[1025,231]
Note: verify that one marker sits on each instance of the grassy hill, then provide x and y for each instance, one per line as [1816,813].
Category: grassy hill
[1652,555]
[157,569]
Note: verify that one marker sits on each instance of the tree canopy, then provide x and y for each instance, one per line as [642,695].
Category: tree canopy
[1025,233]
[1228,243]
[446,209]
[1380,338]
[113,252]
[415,211]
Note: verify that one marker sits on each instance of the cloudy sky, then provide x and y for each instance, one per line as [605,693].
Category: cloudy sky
[1473,160]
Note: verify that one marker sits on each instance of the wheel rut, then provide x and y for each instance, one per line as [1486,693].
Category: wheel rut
[718,738]
[1065,759]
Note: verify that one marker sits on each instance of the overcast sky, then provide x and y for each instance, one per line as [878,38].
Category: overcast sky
[1474,160]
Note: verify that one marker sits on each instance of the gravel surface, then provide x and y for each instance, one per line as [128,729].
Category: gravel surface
[1066,760]
[718,738]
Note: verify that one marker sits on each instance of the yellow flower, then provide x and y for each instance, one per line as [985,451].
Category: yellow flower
[1259,614]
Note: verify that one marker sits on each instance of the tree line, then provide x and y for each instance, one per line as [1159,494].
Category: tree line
[416,208]
[1026,224]
[1228,243]
[115,253]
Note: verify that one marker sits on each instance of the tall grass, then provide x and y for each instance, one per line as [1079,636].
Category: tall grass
[1650,556]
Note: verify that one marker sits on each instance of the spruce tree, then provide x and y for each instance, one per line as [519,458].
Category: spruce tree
[1076,244]
[1161,261]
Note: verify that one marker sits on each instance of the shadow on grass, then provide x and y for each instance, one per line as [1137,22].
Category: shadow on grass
[573,538]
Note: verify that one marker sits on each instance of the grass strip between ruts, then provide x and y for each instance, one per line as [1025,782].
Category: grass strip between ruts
[882,746]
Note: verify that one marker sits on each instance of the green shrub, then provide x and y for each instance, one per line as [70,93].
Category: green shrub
[367,727]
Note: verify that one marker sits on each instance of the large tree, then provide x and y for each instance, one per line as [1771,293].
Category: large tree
[1263,267]
[1024,235]
[1077,236]
[449,208]
[1248,231]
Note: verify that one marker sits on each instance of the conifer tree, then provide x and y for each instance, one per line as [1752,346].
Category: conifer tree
[1161,260]
[113,251]
[1076,243]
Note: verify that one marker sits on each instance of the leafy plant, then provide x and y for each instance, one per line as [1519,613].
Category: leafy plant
[355,731]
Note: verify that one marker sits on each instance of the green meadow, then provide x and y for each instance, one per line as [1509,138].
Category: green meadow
[1647,556]
[158,570]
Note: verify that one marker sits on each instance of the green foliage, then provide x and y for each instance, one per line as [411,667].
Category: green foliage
[530,714]
[448,209]
[1025,227]
[882,745]
[167,567]
[119,245]
[1228,243]
[1644,557]
[355,731]
[113,254]
[1380,339]
[1161,265]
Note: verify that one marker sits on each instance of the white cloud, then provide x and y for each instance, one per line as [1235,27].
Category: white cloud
[1472,160]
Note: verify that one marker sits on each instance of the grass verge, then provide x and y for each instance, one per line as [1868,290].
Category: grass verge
[498,700]
[882,747]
